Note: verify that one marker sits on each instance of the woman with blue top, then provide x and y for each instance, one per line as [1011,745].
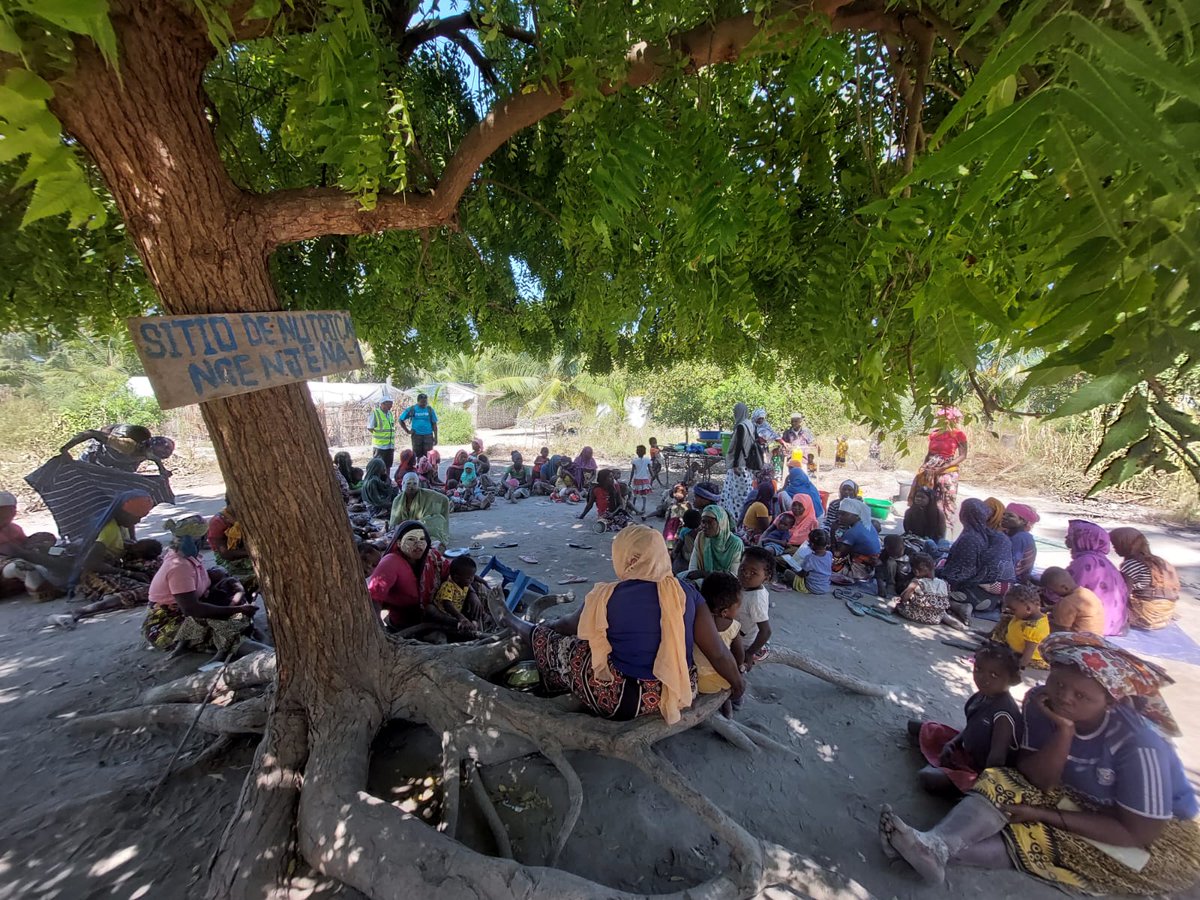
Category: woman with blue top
[629,651]
[1098,802]
[856,543]
[799,483]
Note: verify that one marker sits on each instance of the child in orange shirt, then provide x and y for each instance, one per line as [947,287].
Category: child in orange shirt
[1079,609]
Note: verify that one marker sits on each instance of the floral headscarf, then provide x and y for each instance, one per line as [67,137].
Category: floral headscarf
[950,413]
[186,534]
[1127,678]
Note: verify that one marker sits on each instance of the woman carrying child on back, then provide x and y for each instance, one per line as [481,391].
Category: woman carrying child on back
[991,737]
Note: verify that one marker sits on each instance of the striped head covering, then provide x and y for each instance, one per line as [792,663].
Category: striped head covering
[1128,679]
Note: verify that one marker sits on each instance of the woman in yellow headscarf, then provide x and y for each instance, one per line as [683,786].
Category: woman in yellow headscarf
[628,651]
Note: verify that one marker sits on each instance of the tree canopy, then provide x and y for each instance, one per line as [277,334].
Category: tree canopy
[886,196]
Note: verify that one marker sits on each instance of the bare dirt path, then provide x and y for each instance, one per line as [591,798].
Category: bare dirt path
[75,824]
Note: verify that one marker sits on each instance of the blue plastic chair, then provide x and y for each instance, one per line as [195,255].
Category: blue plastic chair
[514,580]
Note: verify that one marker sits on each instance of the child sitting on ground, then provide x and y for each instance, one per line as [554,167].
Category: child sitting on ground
[723,594]
[813,468]
[542,458]
[565,490]
[1078,608]
[758,565]
[1024,625]
[641,479]
[368,556]
[815,565]
[778,537]
[685,541]
[926,599]
[991,736]
[894,571]
[456,599]
[675,511]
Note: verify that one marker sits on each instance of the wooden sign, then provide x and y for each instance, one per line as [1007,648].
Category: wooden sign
[190,359]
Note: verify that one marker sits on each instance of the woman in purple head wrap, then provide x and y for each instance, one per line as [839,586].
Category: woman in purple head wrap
[1091,568]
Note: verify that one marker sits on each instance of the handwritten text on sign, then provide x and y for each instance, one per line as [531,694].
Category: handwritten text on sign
[189,359]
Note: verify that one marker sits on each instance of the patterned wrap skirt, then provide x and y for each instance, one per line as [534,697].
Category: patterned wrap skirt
[565,664]
[1069,861]
[167,626]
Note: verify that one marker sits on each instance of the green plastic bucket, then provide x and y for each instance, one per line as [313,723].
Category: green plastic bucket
[880,509]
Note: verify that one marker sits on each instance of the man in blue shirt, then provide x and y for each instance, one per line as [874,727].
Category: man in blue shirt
[424,429]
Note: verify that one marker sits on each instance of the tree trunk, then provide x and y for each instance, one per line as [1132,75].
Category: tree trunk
[198,237]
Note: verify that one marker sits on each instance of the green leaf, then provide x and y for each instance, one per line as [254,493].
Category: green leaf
[10,41]
[1138,11]
[1002,94]
[1126,53]
[1100,391]
[1130,426]
[28,85]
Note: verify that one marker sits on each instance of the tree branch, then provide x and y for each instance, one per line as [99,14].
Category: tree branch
[468,47]
[422,32]
[306,213]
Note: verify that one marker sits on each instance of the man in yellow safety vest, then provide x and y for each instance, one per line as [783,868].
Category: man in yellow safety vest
[382,428]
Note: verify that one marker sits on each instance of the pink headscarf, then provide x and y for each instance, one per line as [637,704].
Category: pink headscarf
[1028,513]
[950,413]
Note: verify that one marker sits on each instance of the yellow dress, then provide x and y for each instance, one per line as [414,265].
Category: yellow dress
[708,681]
[1020,632]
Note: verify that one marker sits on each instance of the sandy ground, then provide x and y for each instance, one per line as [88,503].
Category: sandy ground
[76,824]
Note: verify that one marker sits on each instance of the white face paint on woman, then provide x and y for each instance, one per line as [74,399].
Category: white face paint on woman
[413,544]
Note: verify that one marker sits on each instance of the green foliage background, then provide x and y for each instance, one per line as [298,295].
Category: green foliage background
[746,214]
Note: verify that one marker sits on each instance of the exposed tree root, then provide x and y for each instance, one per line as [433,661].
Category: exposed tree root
[785,656]
[247,717]
[484,800]
[575,799]
[376,848]
[250,671]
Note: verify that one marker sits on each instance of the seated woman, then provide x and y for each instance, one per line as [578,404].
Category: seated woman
[407,463]
[924,524]
[113,568]
[979,557]
[628,651]
[228,543]
[454,471]
[429,507]
[1153,582]
[757,517]
[856,543]
[805,522]
[185,613]
[1091,568]
[25,566]
[1018,521]
[517,479]
[705,494]
[717,548]
[846,491]
[406,581]
[352,473]
[607,495]
[377,491]
[468,494]
[799,483]
[583,469]
[1098,802]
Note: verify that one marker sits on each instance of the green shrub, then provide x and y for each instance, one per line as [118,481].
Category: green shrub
[455,425]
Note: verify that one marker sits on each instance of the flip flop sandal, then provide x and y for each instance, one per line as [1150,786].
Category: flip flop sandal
[580,546]
[532,560]
[573,579]
[877,613]
[476,546]
[504,545]
[886,830]
[778,586]
[855,608]
[847,594]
